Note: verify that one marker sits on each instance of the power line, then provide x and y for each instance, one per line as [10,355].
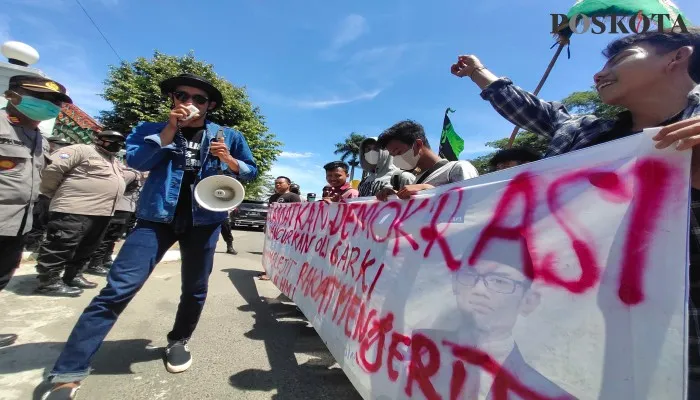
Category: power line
[98,30]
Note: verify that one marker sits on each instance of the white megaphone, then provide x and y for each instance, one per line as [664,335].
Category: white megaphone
[219,193]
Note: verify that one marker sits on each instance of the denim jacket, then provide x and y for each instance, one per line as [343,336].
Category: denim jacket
[160,192]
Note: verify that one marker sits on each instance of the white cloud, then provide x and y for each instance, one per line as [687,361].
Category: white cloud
[291,154]
[337,100]
[384,64]
[352,27]
[379,53]
[312,103]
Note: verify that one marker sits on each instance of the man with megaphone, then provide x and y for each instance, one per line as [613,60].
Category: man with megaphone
[180,153]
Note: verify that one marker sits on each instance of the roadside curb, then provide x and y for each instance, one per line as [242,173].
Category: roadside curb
[170,255]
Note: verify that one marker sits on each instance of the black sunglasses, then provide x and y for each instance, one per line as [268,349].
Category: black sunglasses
[184,96]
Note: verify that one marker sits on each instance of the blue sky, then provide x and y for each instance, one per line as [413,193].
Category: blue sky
[320,70]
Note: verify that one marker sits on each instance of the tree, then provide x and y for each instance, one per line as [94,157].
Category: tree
[587,102]
[261,188]
[350,151]
[133,90]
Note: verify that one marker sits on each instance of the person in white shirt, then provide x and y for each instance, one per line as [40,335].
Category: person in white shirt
[410,149]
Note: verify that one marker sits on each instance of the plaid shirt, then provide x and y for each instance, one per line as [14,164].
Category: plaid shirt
[571,132]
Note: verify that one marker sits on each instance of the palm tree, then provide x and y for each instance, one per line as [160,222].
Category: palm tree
[350,151]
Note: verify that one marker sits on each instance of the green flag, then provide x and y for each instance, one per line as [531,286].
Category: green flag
[629,8]
[451,145]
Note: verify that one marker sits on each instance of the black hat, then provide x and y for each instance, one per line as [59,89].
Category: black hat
[114,135]
[57,140]
[169,85]
[33,83]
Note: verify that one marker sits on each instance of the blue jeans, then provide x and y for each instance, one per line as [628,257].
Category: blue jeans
[142,250]
[693,390]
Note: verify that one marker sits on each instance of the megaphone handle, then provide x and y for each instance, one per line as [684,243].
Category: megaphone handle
[219,135]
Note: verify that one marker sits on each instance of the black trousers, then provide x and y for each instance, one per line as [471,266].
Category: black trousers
[131,224]
[70,241]
[10,257]
[116,229]
[40,220]
[226,231]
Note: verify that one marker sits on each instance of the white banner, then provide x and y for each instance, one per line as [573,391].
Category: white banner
[564,278]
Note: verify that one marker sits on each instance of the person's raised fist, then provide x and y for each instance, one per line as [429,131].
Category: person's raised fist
[466,65]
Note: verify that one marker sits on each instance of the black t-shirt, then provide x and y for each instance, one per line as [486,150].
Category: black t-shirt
[193,139]
[193,136]
[288,197]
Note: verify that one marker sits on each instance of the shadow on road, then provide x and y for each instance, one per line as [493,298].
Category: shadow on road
[313,379]
[113,358]
[23,285]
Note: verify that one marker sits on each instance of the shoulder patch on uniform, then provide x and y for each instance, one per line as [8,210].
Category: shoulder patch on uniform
[64,155]
[7,164]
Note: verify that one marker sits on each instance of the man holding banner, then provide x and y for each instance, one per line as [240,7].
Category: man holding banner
[407,143]
[654,76]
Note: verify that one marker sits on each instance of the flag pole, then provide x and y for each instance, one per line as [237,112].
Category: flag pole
[562,42]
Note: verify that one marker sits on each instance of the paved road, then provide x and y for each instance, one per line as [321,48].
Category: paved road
[250,343]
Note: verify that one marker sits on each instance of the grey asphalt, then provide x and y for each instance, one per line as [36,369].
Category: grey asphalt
[251,342]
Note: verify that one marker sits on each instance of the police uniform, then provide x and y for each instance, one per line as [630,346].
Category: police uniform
[23,153]
[101,258]
[84,183]
[40,213]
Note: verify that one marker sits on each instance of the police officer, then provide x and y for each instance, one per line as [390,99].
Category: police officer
[33,239]
[56,143]
[23,153]
[101,259]
[84,182]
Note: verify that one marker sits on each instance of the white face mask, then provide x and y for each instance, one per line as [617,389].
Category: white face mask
[372,157]
[406,161]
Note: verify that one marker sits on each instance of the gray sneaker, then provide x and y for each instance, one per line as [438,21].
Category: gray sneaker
[178,357]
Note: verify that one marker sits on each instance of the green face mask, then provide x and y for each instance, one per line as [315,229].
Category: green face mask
[37,109]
